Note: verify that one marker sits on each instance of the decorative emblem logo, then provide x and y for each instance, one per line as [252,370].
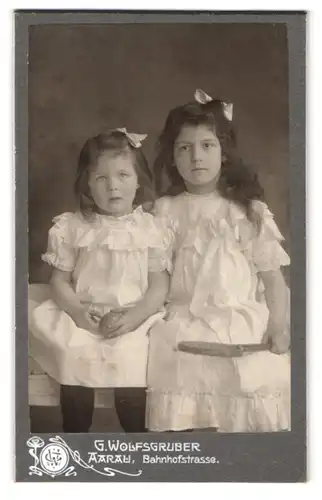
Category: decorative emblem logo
[55,457]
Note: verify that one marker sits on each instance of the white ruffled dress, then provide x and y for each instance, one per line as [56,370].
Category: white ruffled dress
[216,296]
[109,259]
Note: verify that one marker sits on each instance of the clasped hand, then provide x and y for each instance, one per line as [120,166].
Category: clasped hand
[119,322]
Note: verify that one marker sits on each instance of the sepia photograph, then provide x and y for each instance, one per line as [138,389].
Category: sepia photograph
[164,285]
[159,231]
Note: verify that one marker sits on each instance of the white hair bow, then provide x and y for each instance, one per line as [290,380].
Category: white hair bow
[134,139]
[203,98]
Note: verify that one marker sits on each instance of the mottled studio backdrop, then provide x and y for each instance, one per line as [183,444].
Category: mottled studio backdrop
[86,77]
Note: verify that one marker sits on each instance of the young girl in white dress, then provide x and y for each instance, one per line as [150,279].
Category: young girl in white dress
[109,282]
[219,359]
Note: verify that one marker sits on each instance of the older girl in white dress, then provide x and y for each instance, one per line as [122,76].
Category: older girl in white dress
[219,359]
[109,281]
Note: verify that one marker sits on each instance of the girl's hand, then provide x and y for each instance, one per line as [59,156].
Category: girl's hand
[86,321]
[280,342]
[120,321]
[109,320]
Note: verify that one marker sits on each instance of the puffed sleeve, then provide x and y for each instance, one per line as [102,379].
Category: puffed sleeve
[163,212]
[266,249]
[160,252]
[61,252]
[161,239]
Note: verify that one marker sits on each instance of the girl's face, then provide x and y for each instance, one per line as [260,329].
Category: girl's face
[197,156]
[113,183]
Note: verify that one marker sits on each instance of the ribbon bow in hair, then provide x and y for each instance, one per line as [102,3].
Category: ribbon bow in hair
[134,139]
[203,98]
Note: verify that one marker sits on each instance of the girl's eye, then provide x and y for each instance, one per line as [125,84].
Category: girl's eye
[100,178]
[208,145]
[184,148]
[123,174]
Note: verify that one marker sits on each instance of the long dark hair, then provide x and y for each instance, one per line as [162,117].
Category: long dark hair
[237,182]
[117,142]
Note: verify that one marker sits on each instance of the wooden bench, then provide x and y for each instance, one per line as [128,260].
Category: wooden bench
[42,389]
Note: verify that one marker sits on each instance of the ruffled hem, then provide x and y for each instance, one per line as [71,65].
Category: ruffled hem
[261,394]
[166,411]
[173,411]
